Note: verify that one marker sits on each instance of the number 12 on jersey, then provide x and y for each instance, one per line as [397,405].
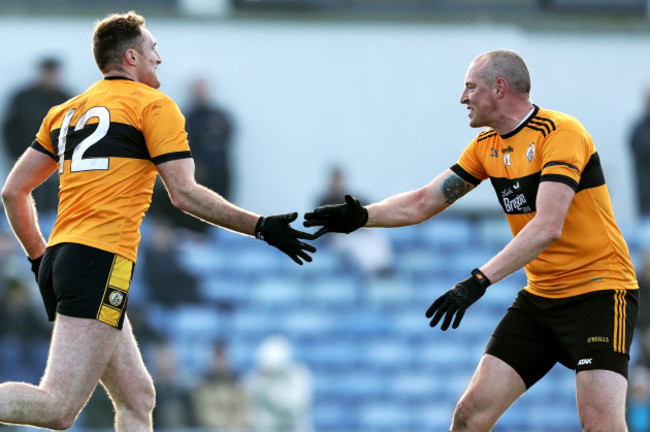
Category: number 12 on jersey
[78,162]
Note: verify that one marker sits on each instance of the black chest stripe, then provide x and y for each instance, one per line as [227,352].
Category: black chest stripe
[517,196]
[592,175]
[121,140]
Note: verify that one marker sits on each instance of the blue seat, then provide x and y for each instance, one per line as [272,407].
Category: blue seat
[332,291]
[195,323]
[332,415]
[277,291]
[225,289]
[254,322]
[389,291]
[384,353]
[308,322]
[383,416]
[448,233]
[415,385]
[420,261]
[330,354]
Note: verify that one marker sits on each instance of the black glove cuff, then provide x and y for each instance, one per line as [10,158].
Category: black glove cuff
[258,228]
[481,279]
[364,220]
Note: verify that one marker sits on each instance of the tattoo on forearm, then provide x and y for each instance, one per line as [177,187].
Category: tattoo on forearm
[453,188]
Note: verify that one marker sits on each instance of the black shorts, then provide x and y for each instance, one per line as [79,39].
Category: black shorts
[589,331]
[85,282]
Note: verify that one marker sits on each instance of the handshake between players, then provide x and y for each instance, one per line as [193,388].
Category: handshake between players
[351,215]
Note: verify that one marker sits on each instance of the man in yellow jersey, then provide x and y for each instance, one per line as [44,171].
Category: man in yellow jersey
[580,305]
[108,145]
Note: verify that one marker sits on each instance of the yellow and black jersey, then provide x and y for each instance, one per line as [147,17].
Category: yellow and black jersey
[591,254]
[107,142]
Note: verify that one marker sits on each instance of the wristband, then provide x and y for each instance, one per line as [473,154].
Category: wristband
[483,280]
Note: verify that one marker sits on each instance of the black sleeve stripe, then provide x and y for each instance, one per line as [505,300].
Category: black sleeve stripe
[37,146]
[171,156]
[465,175]
[550,164]
[560,179]
[487,134]
[537,129]
[547,120]
[544,125]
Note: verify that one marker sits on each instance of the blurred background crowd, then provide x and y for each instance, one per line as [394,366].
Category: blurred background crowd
[294,103]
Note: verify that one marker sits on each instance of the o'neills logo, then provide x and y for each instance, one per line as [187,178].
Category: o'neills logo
[598,339]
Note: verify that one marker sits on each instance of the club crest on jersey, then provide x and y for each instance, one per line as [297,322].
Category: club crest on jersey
[530,153]
[116,298]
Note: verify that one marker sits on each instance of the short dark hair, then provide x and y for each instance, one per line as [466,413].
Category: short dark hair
[508,64]
[113,36]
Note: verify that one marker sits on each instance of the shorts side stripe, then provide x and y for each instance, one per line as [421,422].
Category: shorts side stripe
[616,312]
[619,321]
[623,320]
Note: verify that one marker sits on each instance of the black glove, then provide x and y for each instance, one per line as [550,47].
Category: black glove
[276,231]
[36,265]
[457,299]
[340,218]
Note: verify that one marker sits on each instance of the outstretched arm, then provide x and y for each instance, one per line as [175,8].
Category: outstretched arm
[414,207]
[189,196]
[199,201]
[408,208]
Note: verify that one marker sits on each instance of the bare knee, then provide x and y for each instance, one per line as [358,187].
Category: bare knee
[61,422]
[61,415]
[594,420]
[468,417]
[141,398]
[463,415]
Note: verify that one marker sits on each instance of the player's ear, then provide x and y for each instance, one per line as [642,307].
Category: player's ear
[130,56]
[500,87]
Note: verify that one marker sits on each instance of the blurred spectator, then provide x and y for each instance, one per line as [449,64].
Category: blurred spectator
[219,400]
[24,333]
[638,400]
[280,390]
[369,251]
[640,144]
[639,379]
[209,129]
[173,409]
[168,282]
[22,120]
[24,330]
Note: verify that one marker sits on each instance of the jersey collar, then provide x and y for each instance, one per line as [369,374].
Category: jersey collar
[523,123]
[115,77]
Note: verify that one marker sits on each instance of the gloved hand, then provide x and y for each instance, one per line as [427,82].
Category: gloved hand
[276,231]
[457,299]
[36,265]
[340,218]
